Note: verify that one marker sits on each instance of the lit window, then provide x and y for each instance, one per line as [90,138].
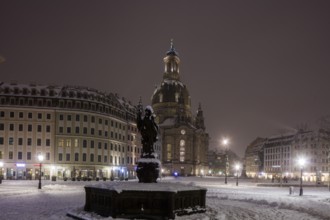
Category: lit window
[182,150]
[68,143]
[76,142]
[61,143]
[11,141]
[169,151]
[160,97]
[177,97]
[182,143]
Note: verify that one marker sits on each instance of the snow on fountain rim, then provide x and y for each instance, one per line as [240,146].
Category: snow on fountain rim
[147,187]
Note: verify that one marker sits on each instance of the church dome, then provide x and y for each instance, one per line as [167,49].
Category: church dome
[171,97]
[171,91]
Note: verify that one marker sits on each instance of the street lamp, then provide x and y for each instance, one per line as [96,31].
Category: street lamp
[1,165]
[40,158]
[329,170]
[237,169]
[225,143]
[301,163]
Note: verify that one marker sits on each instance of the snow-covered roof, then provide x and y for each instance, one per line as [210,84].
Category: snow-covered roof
[172,82]
[282,136]
[168,122]
[66,92]
[169,82]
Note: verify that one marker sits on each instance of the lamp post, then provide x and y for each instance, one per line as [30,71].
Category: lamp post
[301,163]
[40,158]
[237,169]
[225,143]
[329,170]
[1,165]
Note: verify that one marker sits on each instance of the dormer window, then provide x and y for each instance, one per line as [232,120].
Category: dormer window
[177,97]
[25,91]
[34,92]
[160,97]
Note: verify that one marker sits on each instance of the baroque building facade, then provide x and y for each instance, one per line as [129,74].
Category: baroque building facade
[254,157]
[218,162]
[277,157]
[183,137]
[81,132]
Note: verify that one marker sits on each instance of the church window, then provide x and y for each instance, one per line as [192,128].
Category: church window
[168,67]
[182,143]
[182,150]
[169,152]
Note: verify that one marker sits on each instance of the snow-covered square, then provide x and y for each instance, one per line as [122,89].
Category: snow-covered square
[22,200]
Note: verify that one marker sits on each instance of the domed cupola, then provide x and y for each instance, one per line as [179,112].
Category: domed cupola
[172,62]
[171,96]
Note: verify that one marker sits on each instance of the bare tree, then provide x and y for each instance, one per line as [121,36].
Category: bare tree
[324,122]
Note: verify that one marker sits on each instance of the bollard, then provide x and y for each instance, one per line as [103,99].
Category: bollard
[291,190]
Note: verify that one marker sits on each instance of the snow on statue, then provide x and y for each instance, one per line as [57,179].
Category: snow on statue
[148,129]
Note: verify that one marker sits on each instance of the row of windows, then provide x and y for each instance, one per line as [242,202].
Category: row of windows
[277,150]
[100,133]
[70,104]
[92,120]
[129,160]
[29,115]
[29,127]
[277,156]
[48,116]
[20,155]
[113,159]
[115,147]
[39,128]
[27,141]
[312,146]
[68,143]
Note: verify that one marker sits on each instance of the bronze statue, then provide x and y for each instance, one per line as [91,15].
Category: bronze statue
[148,165]
[148,129]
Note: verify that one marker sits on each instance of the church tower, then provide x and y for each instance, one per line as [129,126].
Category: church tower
[200,118]
[172,96]
[184,140]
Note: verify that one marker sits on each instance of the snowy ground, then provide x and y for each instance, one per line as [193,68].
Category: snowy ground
[22,200]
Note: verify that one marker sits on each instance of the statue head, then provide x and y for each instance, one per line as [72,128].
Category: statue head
[148,111]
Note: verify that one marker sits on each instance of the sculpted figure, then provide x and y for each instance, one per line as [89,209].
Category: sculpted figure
[148,129]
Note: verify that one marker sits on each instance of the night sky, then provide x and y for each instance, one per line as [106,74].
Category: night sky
[257,67]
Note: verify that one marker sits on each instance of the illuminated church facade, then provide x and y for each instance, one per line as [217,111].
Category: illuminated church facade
[183,137]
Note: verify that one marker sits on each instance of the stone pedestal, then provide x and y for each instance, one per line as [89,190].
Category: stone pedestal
[148,170]
[144,201]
